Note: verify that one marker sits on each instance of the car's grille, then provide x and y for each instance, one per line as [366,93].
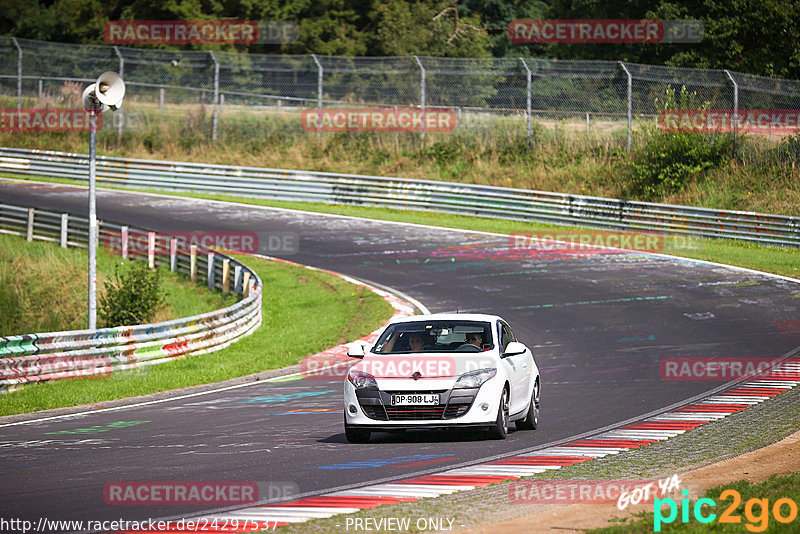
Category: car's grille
[374,412]
[382,410]
[414,413]
[456,410]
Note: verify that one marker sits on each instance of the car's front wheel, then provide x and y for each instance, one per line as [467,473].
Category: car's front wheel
[355,435]
[531,420]
[500,428]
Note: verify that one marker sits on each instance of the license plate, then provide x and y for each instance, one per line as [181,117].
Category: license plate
[424,399]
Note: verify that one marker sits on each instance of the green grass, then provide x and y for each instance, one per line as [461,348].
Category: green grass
[752,518]
[43,288]
[304,312]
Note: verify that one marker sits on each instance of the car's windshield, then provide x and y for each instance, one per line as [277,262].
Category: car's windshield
[435,336]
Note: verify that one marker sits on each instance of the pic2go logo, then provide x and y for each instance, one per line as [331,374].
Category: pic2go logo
[756,511]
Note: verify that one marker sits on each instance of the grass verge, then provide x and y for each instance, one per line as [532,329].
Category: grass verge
[743,514]
[294,303]
[43,288]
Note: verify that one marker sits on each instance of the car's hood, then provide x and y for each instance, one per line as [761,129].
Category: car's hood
[427,365]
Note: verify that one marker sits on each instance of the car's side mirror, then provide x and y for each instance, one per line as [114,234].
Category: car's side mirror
[357,349]
[514,348]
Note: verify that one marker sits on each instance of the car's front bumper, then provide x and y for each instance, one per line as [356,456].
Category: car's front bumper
[372,409]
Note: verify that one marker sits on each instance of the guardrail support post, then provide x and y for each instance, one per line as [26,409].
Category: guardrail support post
[151,250]
[246,284]
[735,111]
[422,97]
[124,241]
[237,278]
[29,234]
[19,76]
[226,270]
[193,263]
[319,96]
[173,254]
[211,270]
[630,101]
[528,100]
[215,120]
[64,229]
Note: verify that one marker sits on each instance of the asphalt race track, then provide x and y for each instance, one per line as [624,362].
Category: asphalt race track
[598,324]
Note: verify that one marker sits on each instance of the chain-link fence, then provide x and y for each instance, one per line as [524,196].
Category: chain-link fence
[223,95]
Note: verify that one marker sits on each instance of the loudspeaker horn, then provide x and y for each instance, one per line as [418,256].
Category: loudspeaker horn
[110,89]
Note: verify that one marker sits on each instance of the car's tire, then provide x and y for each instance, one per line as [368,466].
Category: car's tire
[531,420]
[355,435]
[500,428]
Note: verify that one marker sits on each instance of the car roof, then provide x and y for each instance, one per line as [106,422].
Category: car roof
[448,317]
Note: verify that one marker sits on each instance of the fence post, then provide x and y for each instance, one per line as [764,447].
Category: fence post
[64,229]
[319,96]
[246,284]
[160,98]
[173,254]
[587,123]
[630,101]
[211,270]
[226,270]
[215,120]
[40,88]
[29,234]
[237,278]
[151,250]
[123,237]
[735,111]
[421,97]
[120,115]
[193,263]
[222,103]
[19,77]
[528,100]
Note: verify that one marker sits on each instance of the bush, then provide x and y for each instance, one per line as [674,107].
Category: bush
[132,296]
[666,162]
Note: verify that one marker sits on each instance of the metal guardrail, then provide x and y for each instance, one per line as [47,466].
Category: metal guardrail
[399,193]
[96,353]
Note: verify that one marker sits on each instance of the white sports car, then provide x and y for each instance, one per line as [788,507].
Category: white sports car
[441,371]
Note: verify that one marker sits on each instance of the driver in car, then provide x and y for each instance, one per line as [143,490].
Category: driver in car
[475,338]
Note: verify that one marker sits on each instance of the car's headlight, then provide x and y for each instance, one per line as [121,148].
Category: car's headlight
[361,380]
[474,379]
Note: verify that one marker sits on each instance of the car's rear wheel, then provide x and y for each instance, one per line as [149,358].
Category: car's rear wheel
[356,435]
[500,428]
[531,420]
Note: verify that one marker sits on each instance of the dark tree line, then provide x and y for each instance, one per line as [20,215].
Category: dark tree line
[755,36]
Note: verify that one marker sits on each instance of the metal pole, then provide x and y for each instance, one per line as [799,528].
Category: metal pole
[735,111]
[319,95]
[19,78]
[119,111]
[528,104]
[422,97]
[216,96]
[92,223]
[630,101]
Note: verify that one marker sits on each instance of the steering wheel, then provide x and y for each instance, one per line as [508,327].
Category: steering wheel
[468,347]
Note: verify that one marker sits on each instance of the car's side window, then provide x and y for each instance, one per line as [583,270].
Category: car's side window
[506,336]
